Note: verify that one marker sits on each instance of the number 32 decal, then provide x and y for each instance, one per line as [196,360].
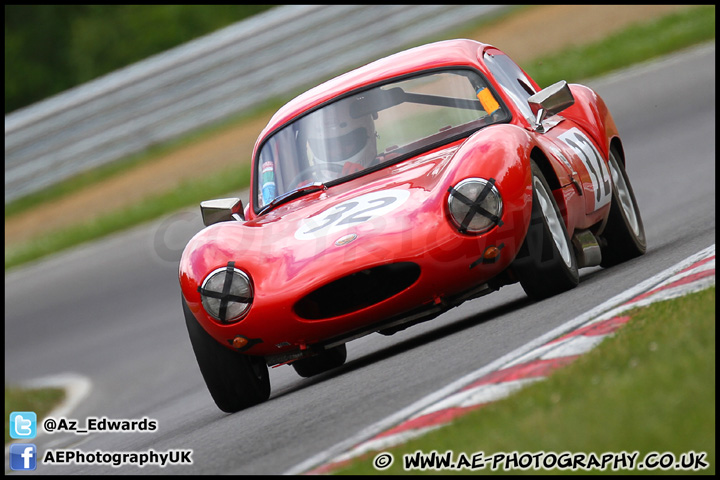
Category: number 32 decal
[351,212]
[594,164]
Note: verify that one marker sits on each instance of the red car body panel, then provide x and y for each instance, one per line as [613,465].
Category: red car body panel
[286,264]
[285,269]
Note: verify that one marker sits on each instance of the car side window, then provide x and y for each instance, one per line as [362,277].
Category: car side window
[513,81]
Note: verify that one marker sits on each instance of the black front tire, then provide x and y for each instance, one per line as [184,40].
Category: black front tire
[322,362]
[546,263]
[235,381]
[624,234]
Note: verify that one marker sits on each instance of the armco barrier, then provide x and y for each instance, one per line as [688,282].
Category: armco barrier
[207,80]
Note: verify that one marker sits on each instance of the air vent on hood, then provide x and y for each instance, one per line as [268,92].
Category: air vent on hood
[357,291]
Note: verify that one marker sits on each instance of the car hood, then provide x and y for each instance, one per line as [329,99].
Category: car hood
[368,221]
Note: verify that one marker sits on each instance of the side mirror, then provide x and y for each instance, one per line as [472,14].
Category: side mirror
[550,101]
[221,210]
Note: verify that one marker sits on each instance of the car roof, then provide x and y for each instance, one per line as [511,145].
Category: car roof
[433,55]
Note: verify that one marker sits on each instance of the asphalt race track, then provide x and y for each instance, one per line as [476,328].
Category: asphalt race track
[111,312]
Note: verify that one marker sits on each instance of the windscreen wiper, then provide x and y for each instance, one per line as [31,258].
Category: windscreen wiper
[292,195]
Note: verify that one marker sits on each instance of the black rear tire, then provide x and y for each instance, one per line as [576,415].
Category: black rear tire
[322,362]
[624,233]
[235,381]
[546,263]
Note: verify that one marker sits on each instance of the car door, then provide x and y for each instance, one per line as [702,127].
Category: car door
[575,156]
[587,162]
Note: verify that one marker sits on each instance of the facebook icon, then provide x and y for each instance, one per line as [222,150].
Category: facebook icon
[23,456]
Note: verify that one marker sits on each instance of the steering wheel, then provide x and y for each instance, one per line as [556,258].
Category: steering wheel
[316,169]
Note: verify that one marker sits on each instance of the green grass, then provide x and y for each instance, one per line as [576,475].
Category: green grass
[635,44]
[638,43]
[41,401]
[649,388]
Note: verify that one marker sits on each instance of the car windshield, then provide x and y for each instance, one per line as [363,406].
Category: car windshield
[374,127]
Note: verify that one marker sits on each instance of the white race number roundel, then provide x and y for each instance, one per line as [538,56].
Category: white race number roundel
[351,212]
[594,164]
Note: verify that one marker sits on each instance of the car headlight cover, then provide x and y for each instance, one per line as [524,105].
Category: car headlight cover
[475,205]
[227,294]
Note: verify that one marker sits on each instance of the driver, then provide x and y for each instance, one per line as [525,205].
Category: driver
[343,143]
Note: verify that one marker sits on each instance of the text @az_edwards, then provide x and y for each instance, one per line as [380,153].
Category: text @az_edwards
[99,424]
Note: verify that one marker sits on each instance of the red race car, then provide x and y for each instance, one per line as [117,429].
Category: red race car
[392,193]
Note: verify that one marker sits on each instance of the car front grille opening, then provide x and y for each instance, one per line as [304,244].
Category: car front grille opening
[357,291]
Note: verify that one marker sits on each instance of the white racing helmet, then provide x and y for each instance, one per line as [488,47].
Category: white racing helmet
[335,136]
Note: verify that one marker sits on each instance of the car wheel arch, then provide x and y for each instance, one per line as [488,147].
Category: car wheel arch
[542,161]
[616,144]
